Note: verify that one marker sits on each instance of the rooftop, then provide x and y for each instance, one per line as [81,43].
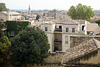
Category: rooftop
[10,12]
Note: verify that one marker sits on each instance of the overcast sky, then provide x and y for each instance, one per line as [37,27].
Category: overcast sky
[49,4]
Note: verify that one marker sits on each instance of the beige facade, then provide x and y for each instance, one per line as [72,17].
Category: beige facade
[58,15]
[49,29]
[3,16]
[58,36]
[65,45]
[51,41]
[59,33]
[10,15]
[75,26]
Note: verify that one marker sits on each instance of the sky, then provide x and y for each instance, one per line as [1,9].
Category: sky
[49,4]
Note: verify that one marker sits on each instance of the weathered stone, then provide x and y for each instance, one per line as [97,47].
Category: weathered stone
[79,51]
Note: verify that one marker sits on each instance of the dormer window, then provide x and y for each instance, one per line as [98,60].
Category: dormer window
[46,29]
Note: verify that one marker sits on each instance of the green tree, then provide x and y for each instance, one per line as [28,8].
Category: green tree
[37,17]
[30,46]
[4,46]
[1,27]
[81,12]
[16,26]
[3,7]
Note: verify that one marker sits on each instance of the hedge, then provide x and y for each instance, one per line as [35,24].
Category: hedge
[16,26]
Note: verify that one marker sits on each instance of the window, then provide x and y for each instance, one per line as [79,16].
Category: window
[83,28]
[73,29]
[60,27]
[66,29]
[46,29]
[66,39]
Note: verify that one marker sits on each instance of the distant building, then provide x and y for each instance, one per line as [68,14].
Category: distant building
[29,15]
[97,15]
[29,11]
[56,15]
[10,15]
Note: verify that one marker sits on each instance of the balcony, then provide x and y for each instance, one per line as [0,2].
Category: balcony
[57,40]
[81,32]
[58,30]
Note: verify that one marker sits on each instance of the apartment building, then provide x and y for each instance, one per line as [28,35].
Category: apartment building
[59,32]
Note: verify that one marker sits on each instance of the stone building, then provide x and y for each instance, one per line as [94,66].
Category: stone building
[58,15]
[10,15]
[97,15]
[59,32]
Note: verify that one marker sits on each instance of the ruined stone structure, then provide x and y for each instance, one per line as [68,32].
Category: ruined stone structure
[82,51]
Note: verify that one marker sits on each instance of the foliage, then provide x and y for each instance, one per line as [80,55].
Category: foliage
[81,12]
[1,27]
[16,26]
[30,46]
[54,10]
[4,45]
[56,49]
[37,17]
[98,21]
[3,7]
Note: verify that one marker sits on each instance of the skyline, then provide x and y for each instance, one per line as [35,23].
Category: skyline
[49,4]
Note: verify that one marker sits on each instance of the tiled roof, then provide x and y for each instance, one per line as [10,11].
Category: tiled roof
[93,27]
[79,51]
[11,12]
[65,22]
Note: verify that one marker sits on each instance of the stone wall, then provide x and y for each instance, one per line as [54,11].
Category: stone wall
[92,60]
[49,65]
[80,52]
[57,57]
[76,40]
[54,60]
